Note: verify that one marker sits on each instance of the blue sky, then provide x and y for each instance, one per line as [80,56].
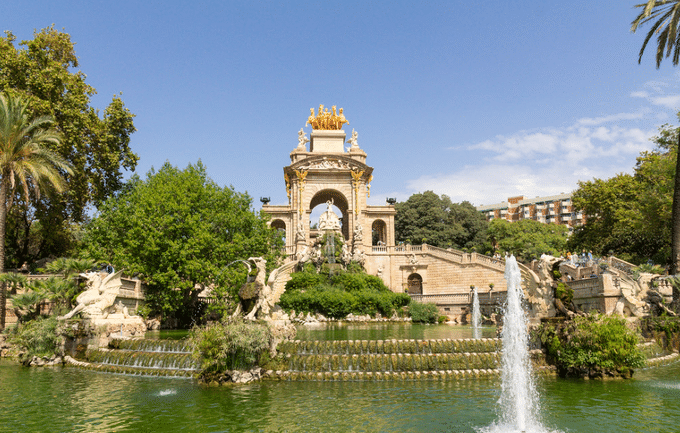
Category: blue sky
[476,100]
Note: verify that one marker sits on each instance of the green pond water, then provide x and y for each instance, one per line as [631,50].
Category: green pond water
[67,399]
[387,331]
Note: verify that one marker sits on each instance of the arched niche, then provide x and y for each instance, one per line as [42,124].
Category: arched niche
[379,233]
[415,284]
[280,226]
[339,201]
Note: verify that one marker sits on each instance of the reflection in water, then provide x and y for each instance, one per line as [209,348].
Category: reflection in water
[69,399]
[387,331]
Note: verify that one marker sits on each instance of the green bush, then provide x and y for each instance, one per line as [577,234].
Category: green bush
[424,313]
[230,345]
[335,303]
[564,293]
[303,281]
[37,337]
[592,343]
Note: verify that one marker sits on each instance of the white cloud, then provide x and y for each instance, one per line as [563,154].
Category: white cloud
[668,101]
[592,121]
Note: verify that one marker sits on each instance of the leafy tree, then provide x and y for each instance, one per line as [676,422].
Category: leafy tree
[667,14]
[427,218]
[25,163]
[527,239]
[43,71]
[178,231]
[631,215]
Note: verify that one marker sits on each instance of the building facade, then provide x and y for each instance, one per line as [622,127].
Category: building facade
[329,173]
[555,209]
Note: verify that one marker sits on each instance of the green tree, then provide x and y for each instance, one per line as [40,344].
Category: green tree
[527,239]
[667,15]
[43,71]
[428,218]
[631,215]
[178,230]
[26,164]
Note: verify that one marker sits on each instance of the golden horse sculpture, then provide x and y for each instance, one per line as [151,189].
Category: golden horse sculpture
[326,120]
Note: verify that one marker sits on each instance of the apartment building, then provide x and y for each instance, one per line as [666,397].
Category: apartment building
[557,209]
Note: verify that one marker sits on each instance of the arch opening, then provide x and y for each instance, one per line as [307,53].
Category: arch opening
[317,206]
[415,284]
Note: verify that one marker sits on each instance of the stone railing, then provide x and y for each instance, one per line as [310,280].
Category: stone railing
[450,299]
[586,288]
[454,256]
[623,265]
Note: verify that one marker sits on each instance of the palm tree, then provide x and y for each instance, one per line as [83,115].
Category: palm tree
[667,15]
[25,163]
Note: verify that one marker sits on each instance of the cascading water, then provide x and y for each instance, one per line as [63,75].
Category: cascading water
[476,314]
[518,405]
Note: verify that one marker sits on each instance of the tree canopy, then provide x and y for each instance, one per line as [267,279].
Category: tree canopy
[178,230]
[428,218]
[25,163]
[42,71]
[631,215]
[527,239]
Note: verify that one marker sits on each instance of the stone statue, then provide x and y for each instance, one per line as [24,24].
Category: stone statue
[98,299]
[302,140]
[257,291]
[300,235]
[358,232]
[317,256]
[329,220]
[353,140]
[345,256]
[304,255]
[359,256]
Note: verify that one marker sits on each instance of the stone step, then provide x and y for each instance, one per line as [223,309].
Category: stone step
[362,347]
[393,362]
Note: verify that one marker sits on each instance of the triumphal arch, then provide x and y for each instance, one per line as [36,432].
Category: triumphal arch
[330,168]
[330,173]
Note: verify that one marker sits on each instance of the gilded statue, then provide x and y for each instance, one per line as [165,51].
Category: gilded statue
[327,120]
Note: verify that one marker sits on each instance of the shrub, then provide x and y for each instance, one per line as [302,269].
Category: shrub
[564,293]
[303,281]
[229,345]
[424,313]
[593,343]
[37,337]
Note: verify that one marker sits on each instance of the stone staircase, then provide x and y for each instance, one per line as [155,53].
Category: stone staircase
[356,360]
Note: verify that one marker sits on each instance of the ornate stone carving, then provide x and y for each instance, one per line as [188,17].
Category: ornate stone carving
[358,232]
[326,163]
[329,220]
[325,120]
[97,301]
[345,256]
[302,140]
[353,140]
[301,175]
[300,234]
[356,181]
[287,179]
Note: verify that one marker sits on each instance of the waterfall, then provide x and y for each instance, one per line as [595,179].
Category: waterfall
[476,314]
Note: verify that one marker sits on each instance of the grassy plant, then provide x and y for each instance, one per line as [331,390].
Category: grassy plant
[37,337]
[230,345]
